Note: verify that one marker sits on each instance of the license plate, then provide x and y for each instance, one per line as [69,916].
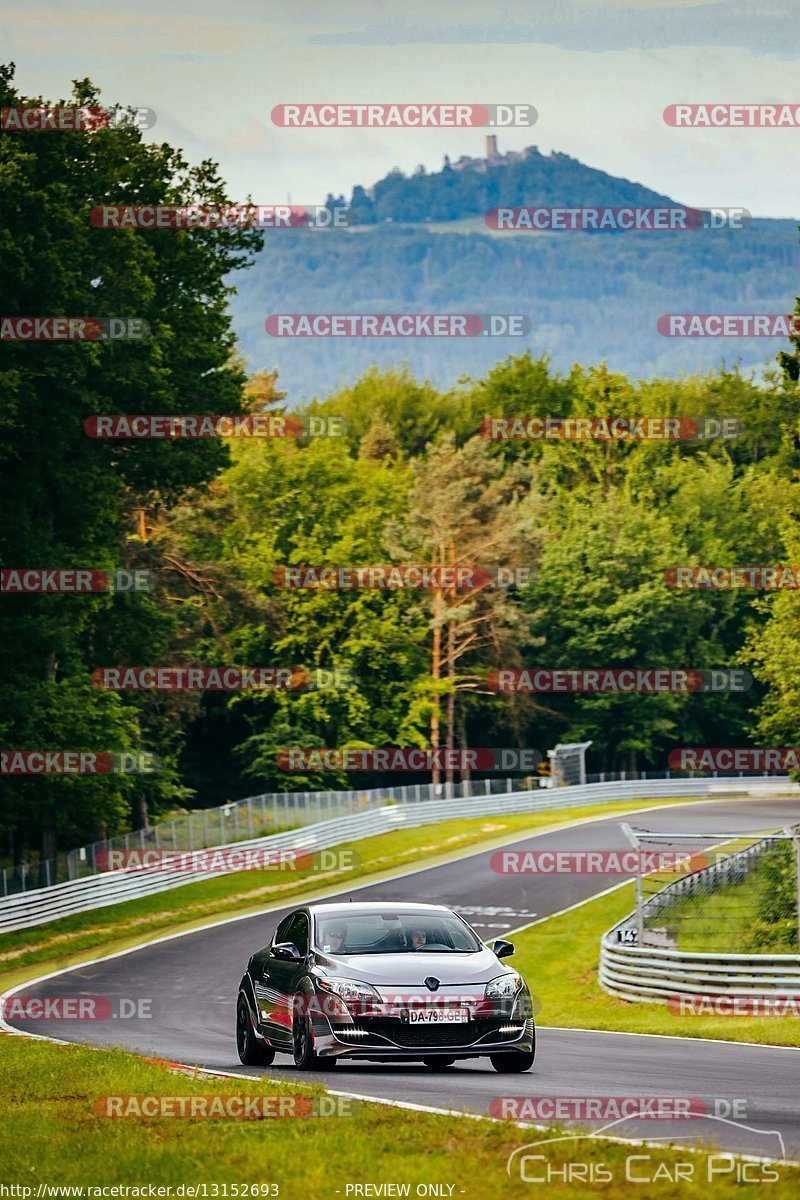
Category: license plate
[437,1016]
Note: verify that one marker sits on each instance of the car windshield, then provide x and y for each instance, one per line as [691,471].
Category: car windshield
[395,933]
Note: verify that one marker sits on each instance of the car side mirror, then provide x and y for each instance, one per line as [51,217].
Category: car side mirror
[501,948]
[286,951]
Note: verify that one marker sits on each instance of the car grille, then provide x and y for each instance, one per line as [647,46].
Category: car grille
[419,1036]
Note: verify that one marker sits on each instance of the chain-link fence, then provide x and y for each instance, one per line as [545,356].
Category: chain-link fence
[724,893]
[253,817]
[276,812]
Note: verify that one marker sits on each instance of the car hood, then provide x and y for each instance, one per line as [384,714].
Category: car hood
[411,970]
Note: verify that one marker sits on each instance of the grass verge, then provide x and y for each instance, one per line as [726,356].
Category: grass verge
[53,1134]
[559,958]
[73,939]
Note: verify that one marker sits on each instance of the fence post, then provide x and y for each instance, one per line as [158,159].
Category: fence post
[250,815]
[793,834]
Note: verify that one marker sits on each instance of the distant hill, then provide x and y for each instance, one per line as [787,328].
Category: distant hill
[471,186]
[420,244]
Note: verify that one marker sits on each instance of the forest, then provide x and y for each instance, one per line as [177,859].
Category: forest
[388,469]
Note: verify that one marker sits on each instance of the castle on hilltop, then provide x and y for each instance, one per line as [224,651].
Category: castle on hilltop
[493,157]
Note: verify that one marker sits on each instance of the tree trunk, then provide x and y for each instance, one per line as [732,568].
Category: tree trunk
[466,774]
[451,708]
[436,672]
[139,814]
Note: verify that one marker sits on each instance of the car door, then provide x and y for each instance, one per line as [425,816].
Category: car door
[266,986]
[282,975]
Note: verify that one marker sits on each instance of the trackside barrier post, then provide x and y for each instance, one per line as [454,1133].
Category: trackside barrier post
[634,841]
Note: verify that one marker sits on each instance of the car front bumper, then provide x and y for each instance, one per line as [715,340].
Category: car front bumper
[383,1039]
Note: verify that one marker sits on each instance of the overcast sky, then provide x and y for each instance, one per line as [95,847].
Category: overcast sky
[599,72]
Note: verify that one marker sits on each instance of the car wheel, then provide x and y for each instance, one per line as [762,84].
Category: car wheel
[513,1061]
[252,1052]
[305,1056]
[438,1064]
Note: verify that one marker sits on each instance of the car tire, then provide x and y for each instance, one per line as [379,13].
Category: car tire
[438,1064]
[512,1062]
[252,1052]
[305,1056]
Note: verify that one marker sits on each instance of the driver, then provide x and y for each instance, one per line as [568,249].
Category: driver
[417,938]
[334,943]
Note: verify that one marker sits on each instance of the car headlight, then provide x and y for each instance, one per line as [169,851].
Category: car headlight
[349,989]
[504,987]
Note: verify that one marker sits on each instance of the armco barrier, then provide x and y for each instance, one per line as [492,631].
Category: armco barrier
[642,973]
[655,975]
[27,909]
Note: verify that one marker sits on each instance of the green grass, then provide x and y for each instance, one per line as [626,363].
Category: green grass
[52,1133]
[559,959]
[65,942]
[754,916]
[725,918]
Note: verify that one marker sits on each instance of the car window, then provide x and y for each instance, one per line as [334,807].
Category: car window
[298,932]
[282,932]
[394,933]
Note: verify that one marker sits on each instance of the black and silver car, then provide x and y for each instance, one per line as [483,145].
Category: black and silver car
[385,983]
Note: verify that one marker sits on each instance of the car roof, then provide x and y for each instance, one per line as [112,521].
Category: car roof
[371,906]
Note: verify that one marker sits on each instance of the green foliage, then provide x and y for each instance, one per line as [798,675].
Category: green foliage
[68,500]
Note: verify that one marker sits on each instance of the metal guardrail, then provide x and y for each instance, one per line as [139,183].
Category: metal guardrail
[658,975]
[646,974]
[28,909]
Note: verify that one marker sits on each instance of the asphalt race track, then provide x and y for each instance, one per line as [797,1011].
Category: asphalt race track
[193,981]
